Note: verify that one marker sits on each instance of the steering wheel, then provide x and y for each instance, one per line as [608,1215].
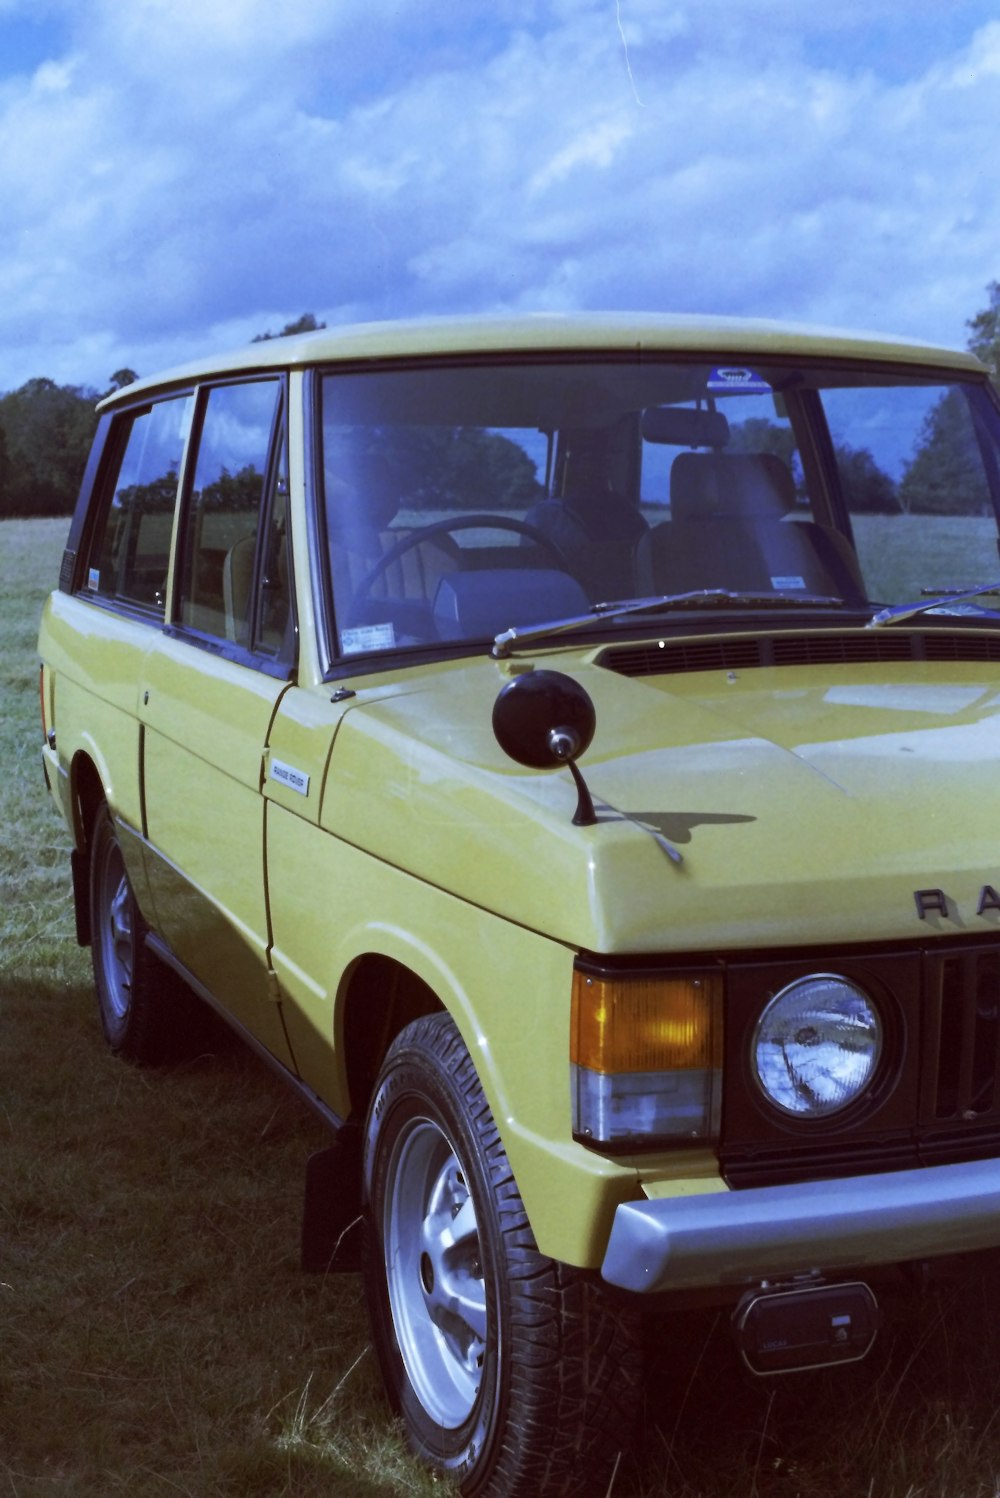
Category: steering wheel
[445,527]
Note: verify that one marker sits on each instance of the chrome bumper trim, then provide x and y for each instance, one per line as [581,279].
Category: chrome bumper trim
[740,1237]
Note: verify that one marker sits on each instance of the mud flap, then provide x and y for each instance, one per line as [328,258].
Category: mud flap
[80,868]
[332,1228]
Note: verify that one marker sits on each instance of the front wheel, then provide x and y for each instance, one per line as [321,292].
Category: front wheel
[512,1373]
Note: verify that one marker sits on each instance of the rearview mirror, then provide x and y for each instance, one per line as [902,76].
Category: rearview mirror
[682,426]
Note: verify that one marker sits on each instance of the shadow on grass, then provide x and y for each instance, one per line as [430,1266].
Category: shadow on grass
[57,1013]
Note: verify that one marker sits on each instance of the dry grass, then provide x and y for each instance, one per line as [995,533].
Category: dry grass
[157,1337]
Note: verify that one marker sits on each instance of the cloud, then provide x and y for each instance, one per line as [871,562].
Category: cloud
[176,174]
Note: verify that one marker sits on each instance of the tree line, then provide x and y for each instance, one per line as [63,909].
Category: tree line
[46,432]
[945,474]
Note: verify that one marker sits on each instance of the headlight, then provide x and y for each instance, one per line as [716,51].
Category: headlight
[816,1046]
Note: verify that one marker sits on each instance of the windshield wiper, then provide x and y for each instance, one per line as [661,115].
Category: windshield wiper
[504,643]
[900,611]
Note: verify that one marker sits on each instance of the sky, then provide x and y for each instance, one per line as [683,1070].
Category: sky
[179,175]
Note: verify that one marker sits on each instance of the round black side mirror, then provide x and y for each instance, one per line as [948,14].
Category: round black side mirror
[544,719]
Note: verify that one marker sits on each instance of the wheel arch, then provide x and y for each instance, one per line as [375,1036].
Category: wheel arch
[86,795]
[380,995]
[87,791]
[444,954]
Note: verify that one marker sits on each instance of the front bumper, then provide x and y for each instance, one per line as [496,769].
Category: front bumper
[742,1237]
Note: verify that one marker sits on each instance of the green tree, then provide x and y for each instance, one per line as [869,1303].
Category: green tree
[236,493]
[305,324]
[121,378]
[157,497]
[760,435]
[868,488]
[945,475]
[459,468]
[47,431]
[5,471]
[984,332]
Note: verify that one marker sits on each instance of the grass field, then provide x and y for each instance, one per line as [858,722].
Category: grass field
[157,1337]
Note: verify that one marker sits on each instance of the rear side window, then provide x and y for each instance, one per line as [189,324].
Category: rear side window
[222,528]
[131,547]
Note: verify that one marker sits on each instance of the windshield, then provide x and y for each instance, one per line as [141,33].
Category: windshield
[462,501]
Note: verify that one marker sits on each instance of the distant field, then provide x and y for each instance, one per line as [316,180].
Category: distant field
[157,1337]
[902,554]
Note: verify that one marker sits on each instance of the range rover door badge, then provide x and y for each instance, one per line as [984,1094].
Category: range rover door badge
[296,780]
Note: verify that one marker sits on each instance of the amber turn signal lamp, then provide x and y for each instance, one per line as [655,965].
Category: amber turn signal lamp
[642,1024]
[646,1058]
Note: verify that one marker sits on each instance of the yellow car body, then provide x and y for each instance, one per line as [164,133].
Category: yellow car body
[327,839]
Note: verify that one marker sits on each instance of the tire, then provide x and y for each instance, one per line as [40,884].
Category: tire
[512,1373]
[141,1003]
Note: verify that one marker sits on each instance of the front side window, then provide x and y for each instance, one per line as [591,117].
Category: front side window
[223,515]
[460,502]
[131,548]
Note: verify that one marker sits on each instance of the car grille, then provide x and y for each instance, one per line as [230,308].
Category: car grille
[962,1012]
[818,648]
[936,1101]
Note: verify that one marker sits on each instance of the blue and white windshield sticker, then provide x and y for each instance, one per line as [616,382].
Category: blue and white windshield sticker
[367,637]
[739,380]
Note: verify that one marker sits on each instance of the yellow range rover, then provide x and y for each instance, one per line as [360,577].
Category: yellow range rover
[567,750]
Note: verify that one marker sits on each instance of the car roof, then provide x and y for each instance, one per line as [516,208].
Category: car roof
[551,333]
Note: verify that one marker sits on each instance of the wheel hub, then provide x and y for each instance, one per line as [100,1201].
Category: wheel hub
[434,1272]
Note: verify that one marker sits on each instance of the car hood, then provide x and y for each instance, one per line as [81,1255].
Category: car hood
[808,805]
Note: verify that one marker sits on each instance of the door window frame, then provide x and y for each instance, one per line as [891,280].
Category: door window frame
[282,663]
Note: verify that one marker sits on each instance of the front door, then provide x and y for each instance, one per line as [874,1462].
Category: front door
[210,689]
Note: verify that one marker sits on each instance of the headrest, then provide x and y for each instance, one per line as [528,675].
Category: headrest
[605,517]
[751,486]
